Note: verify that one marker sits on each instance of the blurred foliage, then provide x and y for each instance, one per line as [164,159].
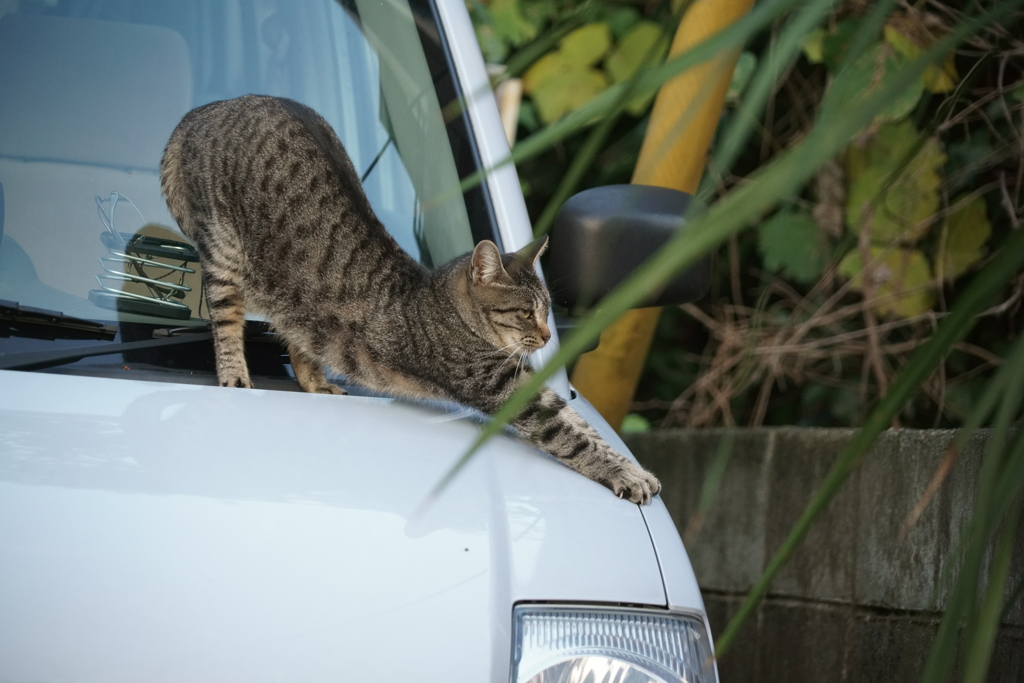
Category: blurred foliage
[790,243]
[966,230]
[811,313]
[573,53]
[901,279]
[893,184]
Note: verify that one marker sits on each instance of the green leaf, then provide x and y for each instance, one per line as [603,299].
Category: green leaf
[792,243]
[528,116]
[908,34]
[509,23]
[566,91]
[902,37]
[835,44]
[621,19]
[867,74]
[814,46]
[494,48]
[745,66]
[962,165]
[643,45]
[518,63]
[635,424]
[586,45]
[901,277]
[897,207]
[941,79]
[561,80]
[479,13]
[548,66]
[538,12]
[967,230]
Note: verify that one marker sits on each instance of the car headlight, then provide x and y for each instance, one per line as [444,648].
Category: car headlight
[573,644]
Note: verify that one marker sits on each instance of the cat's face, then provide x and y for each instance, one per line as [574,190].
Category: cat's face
[511,301]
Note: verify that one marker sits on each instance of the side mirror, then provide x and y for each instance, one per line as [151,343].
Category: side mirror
[600,236]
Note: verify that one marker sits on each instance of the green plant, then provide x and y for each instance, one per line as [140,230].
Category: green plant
[818,306]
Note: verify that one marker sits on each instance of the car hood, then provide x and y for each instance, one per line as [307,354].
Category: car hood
[167,532]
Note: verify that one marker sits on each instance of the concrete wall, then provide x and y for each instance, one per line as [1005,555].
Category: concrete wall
[854,602]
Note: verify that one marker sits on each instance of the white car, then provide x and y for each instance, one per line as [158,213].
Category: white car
[156,527]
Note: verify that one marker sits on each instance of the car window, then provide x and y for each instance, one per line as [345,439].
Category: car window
[90,91]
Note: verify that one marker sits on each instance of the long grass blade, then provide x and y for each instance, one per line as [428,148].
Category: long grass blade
[870,27]
[979,650]
[1004,395]
[1012,371]
[961,607]
[1018,591]
[709,489]
[991,499]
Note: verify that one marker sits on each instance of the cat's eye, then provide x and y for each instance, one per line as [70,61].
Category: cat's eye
[527,314]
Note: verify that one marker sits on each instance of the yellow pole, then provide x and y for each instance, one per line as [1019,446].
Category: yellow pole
[683,122]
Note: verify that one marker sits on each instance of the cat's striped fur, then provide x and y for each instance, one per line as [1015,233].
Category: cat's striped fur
[265,189]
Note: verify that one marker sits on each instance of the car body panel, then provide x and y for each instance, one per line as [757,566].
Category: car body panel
[178,532]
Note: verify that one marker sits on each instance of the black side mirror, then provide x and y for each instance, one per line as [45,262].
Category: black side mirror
[600,236]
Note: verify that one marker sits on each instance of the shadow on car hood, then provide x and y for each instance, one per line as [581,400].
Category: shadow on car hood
[168,532]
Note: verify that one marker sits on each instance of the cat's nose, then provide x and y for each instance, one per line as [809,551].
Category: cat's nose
[545,333]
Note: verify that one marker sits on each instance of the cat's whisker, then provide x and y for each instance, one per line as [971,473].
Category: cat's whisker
[497,351]
[518,354]
[520,364]
[506,359]
[510,355]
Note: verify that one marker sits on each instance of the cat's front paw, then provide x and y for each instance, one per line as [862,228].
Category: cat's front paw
[634,484]
[239,382]
[329,388]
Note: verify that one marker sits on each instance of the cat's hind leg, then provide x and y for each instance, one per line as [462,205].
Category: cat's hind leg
[311,374]
[227,322]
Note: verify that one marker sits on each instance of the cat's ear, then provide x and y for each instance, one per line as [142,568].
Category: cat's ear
[529,254]
[486,264]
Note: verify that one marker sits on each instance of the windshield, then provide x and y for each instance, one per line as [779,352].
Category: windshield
[90,91]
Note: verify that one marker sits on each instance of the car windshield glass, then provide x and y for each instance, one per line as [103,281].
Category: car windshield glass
[90,91]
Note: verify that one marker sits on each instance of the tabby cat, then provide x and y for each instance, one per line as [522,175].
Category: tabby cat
[267,192]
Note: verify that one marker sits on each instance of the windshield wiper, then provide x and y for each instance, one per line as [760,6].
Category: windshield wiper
[37,360]
[41,323]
